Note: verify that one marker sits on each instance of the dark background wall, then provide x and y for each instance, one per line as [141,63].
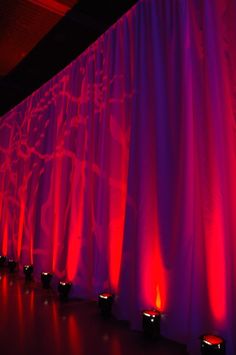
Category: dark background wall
[38,38]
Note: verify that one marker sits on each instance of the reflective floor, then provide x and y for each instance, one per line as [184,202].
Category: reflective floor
[33,321]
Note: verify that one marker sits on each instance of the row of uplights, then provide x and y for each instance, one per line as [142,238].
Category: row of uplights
[210,344]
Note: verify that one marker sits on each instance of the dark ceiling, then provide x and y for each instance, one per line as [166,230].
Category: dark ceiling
[38,38]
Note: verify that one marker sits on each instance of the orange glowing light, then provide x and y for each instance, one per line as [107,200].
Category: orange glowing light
[158,298]
[152,271]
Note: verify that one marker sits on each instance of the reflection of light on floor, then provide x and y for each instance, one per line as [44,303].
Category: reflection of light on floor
[56,328]
[115,346]
[75,339]
[32,303]
[4,292]
[69,328]
[20,314]
[105,337]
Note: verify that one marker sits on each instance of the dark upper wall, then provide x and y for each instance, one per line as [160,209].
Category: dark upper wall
[81,26]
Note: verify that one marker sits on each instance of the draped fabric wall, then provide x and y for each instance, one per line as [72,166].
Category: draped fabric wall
[119,173]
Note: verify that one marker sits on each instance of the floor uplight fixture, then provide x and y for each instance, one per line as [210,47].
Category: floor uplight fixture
[105,301]
[151,323]
[212,345]
[46,278]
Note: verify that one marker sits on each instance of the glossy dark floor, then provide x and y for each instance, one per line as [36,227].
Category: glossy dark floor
[33,321]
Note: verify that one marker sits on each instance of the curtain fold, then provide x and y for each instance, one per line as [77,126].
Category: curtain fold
[119,173]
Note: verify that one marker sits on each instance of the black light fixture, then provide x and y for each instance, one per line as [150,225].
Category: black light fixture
[64,290]
[46,278]
[105,301]
[2,260]
[28,271]
[12,264]
[212,345]
[151,323]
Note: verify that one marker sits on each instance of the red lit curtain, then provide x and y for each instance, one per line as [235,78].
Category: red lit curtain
[120,173]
